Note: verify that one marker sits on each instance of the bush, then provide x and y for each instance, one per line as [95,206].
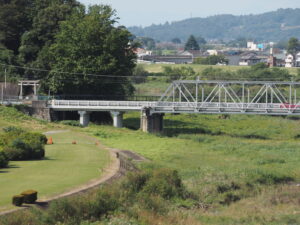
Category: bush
[230,198]
[63,211]
[166,183]
[30,196]
[17,200]
[269,179]
[21,145]
[3,160]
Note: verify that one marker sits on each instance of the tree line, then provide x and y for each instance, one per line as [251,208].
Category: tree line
[69,46]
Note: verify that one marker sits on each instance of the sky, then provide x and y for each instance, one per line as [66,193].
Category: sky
[147,12]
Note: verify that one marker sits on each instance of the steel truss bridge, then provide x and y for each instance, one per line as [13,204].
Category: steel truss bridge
[206,97]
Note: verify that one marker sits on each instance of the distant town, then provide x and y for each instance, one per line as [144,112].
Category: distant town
[235,54]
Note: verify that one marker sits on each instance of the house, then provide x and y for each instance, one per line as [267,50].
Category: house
[249,59]
[289,61]
[142,52]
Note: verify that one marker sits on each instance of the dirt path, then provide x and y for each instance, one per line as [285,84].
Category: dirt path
[117,168]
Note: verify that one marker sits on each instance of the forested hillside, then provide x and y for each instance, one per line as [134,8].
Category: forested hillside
[271,26]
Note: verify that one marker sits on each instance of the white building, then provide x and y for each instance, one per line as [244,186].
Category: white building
[255,47]
[212,52]
[289,61]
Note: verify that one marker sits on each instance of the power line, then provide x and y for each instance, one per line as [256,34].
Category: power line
[132,77]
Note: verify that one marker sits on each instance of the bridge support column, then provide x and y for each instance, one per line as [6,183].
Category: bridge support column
[84,118]
[117,118]
[151,123]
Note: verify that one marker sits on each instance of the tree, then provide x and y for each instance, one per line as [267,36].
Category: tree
[293,46]
[36,41]
[89,43]
[191,44]
[14,21]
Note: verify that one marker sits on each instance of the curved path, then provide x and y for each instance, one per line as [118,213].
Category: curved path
[119,165]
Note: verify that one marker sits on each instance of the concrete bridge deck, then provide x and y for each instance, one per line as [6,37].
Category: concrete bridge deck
[176,107]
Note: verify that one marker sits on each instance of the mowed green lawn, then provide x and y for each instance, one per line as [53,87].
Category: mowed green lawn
[66,166]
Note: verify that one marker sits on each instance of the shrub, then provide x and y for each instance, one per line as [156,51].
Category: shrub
[63,211]
[166,183]
[15,153]
[230,198]
[21,145]
[30,196]
[3,160]
[105,201]
[154,203]
[270,178]
[135,181]
[17,200]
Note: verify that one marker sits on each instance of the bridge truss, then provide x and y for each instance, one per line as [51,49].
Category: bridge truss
[201,96]
[234,97]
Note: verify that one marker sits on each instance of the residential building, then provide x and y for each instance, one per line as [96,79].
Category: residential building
[289,61]
[252,58]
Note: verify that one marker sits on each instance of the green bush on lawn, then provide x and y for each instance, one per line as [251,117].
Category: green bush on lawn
[18,144]
[30,196]
[3,159]
[17,200]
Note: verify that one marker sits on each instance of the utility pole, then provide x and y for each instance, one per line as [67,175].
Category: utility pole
[5,78]
[2,93]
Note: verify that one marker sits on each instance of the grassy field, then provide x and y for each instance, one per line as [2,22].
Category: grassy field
[244,169]
[66,166]
[156,85]
[158,68]
[154,88]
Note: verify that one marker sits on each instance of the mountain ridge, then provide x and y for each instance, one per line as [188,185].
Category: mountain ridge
[270,26]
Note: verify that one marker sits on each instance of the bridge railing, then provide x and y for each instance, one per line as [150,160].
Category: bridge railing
[99,104]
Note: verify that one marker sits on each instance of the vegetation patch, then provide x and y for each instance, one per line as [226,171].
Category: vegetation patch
[153,191]
[19,144]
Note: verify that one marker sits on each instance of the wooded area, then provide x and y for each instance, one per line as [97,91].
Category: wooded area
[68,45]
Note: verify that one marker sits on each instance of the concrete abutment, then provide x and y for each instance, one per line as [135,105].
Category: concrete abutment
[151,123]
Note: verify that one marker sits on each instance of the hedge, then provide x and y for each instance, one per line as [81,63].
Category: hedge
[18,144]
[30,196]
[3,159]
[17,200]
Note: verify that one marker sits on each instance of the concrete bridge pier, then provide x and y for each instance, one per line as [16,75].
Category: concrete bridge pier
[117,118]
[84,118]
[151,123]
